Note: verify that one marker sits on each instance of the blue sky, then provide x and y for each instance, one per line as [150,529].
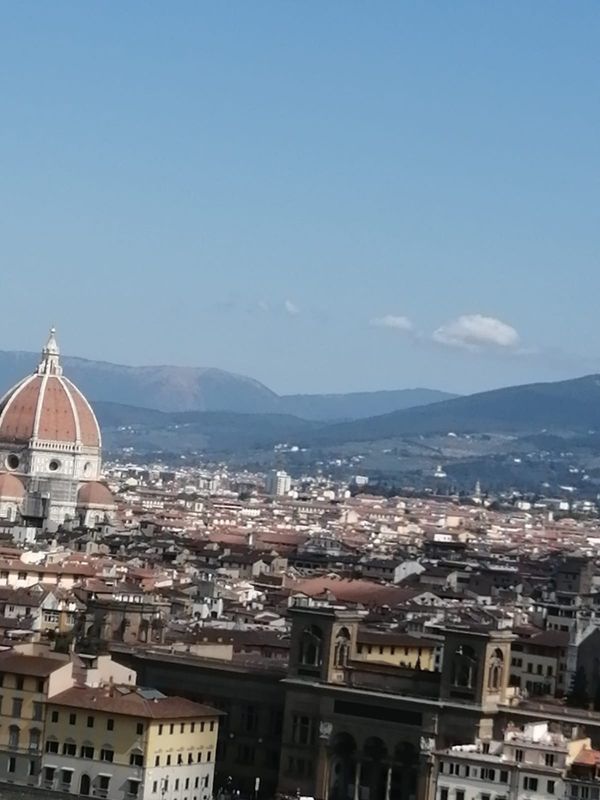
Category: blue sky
[326,196]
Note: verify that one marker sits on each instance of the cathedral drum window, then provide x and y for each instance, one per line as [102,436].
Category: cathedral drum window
[13,461]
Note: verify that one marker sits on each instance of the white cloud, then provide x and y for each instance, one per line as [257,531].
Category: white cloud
[291,308]
[475,332]
[392,321]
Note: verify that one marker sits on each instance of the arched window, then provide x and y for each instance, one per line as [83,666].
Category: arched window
[342,648]
[13,736]
[496,670]
[464,666]
[311,646]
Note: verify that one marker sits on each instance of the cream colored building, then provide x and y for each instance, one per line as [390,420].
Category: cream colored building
[124,742]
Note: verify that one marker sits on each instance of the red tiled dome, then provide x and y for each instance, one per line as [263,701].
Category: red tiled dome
[47,407]
[95,493]
[11,486]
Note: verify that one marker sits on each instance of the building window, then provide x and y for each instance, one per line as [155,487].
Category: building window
[107,754]
[86,751]
[190,758]
[139,728]
[157,761]
[171,728]
[518,755]
[209,756]
[460,794]
[160,730]
[69,749]
[530,784]
[33,769]
[182,728]
[212,725]
[488,774]
[136,759]
[49,775]
[13,736]
[311,644]
[34,739]
[192,727]
[51,746]
[90,722]
[12,764]
[20,682]
[464,667]
[103,782]
[246,754]
[17,705]
[133,788]
[549,759]
[38,711]
[551,787]
[503,776]
[110,724]
[66,777]
[54,716]
[168,761]
[40,685]
[72,719]
[302,730]
[341,649]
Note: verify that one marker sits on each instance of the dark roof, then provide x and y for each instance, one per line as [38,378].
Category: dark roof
[133,701]
[38,666]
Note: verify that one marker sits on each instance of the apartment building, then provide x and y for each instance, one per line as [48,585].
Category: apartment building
[528,764]
[124,742]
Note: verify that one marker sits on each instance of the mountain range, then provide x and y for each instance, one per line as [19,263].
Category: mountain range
[174,389]
[564,407]
[561,406]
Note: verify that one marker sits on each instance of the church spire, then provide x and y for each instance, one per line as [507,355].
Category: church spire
[49,364]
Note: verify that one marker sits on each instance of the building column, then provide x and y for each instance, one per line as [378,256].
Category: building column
[323,773]
[357,780]
[388,782]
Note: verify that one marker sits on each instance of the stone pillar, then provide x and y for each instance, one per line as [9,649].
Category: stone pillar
[388,782]
[322,777]
[357,780]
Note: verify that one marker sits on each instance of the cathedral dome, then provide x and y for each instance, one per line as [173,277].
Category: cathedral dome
[94,493]
[11,488]
[47,408]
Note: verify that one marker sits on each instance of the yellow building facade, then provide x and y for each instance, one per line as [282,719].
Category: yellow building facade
[396,649]
[129,743]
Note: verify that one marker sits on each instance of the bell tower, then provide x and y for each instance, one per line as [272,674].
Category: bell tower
[476,666]
[323,640]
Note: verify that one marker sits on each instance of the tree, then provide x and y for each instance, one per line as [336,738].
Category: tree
[578,696]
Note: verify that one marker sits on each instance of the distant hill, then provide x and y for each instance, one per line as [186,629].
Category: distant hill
[173,389]
[565,407]
[571,405]
[143,428]
[357,404]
